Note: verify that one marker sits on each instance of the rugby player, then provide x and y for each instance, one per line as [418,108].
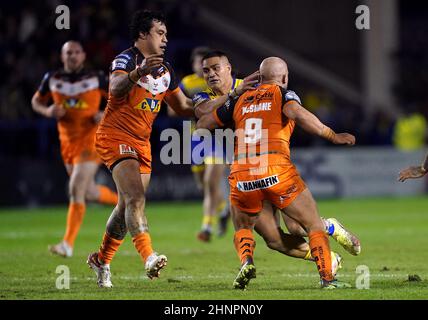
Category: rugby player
[217,72]
[76,93]
[262,171]
[140,80]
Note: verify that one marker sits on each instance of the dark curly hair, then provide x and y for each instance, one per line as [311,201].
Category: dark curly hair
[142,21]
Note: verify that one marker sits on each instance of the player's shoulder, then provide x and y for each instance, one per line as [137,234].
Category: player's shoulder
[289,95]
[57,73]
[127,54]
[126,60]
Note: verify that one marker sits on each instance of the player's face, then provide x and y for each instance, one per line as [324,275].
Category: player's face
[72,56]
[217,72]
[156,38]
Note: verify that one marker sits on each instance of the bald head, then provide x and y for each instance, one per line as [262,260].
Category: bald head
[274,69]
[72,56]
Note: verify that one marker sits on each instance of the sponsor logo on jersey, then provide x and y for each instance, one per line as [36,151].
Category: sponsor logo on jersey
[152,105]
[119,63]
[247,186]
[125,149]
[288,193]
[266,95]
[264,106]
[72,103]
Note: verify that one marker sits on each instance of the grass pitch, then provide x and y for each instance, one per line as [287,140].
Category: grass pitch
[393,234]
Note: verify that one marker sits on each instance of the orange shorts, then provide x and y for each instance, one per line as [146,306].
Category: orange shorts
[113,149]
[278,184]
[83,151]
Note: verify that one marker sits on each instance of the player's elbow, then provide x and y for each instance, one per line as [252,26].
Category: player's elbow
[34,102]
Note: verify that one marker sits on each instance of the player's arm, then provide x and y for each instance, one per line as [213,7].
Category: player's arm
[219,117]
[48,111]
[414,172]
[121,81]
[179,103]
[208,106]
[311,124]
[40,99]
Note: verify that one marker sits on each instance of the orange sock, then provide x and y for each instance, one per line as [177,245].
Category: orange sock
[108,248]
[76,212]
[244,244]
[106,196]
[143,244]
[320,251]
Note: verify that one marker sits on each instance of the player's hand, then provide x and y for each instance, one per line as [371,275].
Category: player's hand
[344,138]
[248,83]
[98,116]
[412,172]
[149,63]
[55,111]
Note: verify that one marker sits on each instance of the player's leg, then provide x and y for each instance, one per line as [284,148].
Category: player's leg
[304,210]
[213,197]
[224,214]
[268,226]
[333,228]
[198,175]
[113,237]
[133,186]
[101,193]
[80,175]
[245,244]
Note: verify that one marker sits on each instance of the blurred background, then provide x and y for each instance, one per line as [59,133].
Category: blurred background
[372,83]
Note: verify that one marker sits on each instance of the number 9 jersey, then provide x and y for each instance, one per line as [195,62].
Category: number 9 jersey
[261,128]
[262,169]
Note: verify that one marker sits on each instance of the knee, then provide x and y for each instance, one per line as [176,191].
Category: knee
[76,188]
[133,199]
[273,244]
[208,183]
[92,194]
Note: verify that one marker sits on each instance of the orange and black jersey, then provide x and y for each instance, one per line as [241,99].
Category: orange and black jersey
[79,93]
[133,115]
[261,127]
